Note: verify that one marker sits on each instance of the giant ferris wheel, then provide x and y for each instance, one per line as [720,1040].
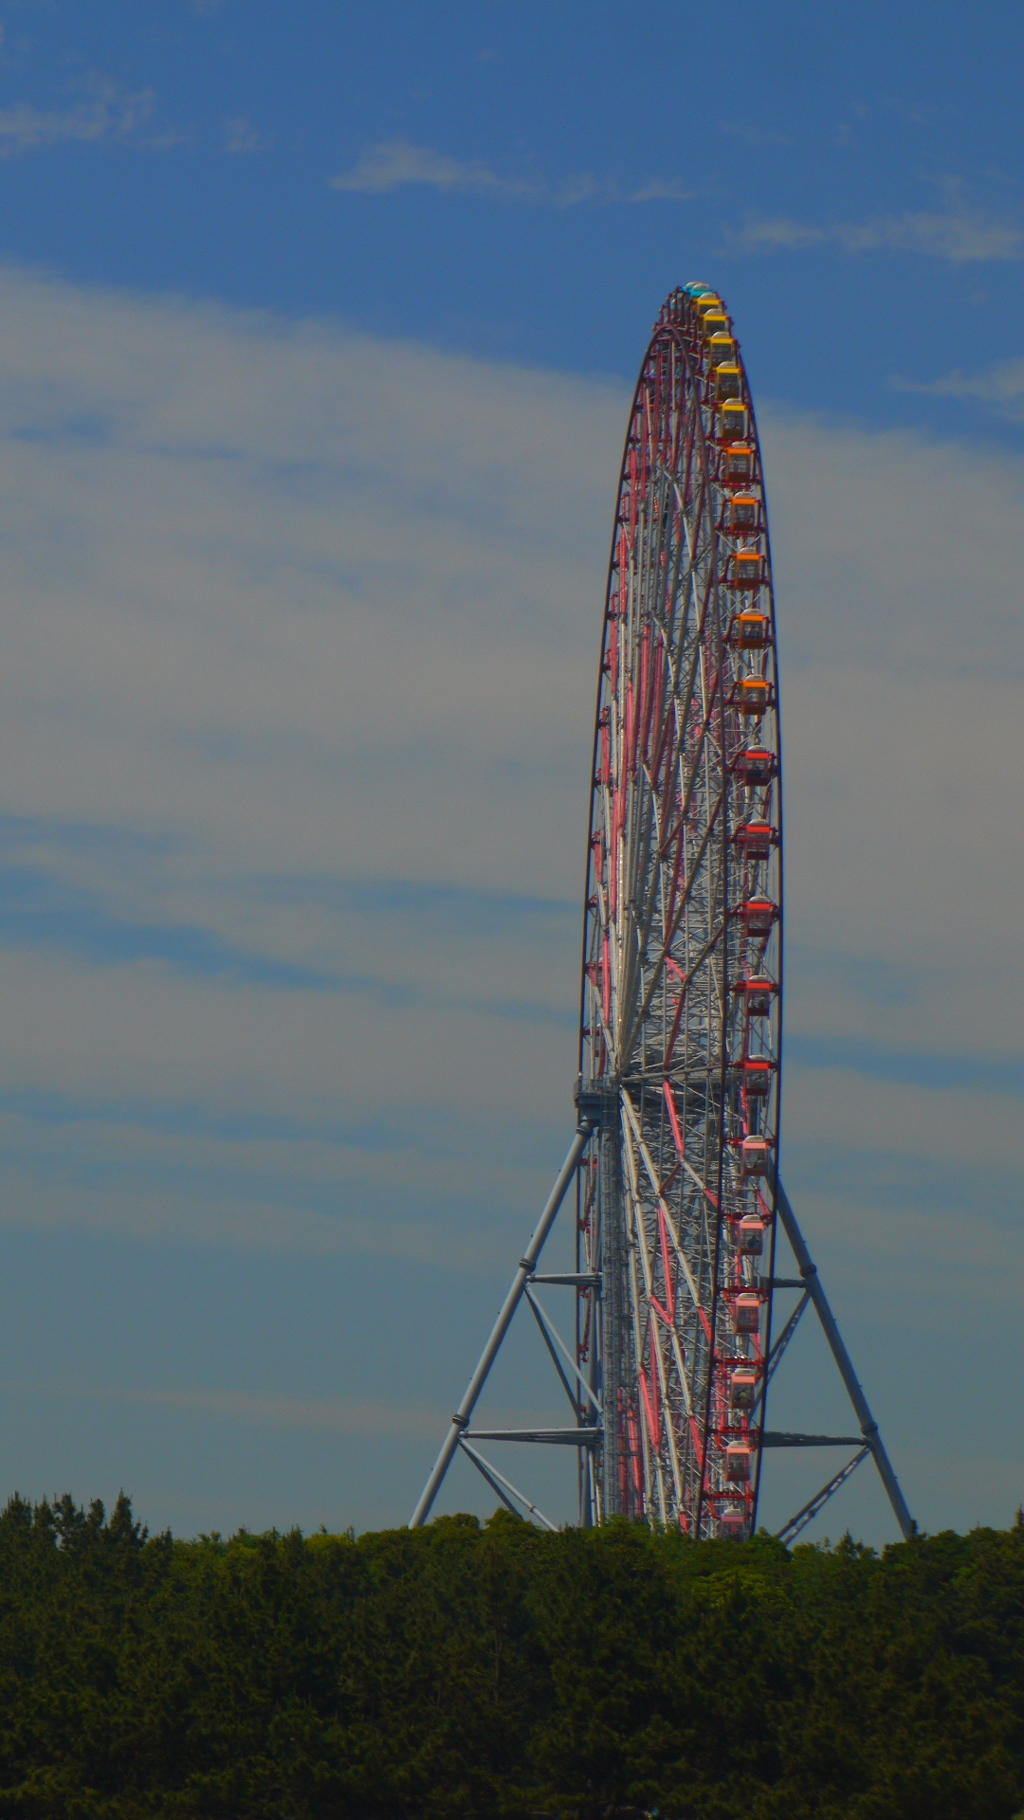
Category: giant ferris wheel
[682,951]
[675,1159]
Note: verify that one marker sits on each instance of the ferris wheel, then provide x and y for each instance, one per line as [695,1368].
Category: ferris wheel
[679,1201]
[681,1003]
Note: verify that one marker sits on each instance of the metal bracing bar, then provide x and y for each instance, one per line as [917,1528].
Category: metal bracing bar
[552,1354]
[789,1531]
[563,1437]
[460,1419]
[782,1438]
[552,1340]
[868,1425]
[505,1488]
[576,1279]
[775,1355]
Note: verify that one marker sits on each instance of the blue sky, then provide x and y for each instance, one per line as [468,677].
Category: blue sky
[317,328]
[521,182]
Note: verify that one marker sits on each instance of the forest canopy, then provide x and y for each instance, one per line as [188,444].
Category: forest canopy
[486,1670]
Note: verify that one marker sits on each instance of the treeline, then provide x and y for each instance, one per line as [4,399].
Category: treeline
[485,1671]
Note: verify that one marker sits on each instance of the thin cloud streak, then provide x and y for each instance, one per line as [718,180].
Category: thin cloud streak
[294,699]
[42,912]
[998,1074]
[395,164]
[325,1415]
[300,633]
[106,114]
[1001,386]
[242,138]
[956,237]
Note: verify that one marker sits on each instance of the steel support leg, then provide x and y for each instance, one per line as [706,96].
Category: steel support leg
[614,1317]
[460,1419]
[868,1425]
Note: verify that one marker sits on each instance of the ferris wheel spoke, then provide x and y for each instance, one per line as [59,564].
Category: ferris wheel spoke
[686,981]
[687,783]
[678,908]
[652,1336]
[647,1427]
[652,1174]
[663,853]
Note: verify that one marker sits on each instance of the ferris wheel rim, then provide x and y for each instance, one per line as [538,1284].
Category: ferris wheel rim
[668,334]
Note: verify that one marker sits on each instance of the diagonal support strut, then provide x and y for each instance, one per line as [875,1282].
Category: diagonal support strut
[460,1419]
[868,1426]
[505,1489]
[806,1514]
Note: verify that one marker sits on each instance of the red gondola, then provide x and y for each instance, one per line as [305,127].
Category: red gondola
[756,1156]
[737,1462]
[759,915]
[755,839]
[746,1313]
[757,995]
[751,1235]
[743,1388]
[755,767]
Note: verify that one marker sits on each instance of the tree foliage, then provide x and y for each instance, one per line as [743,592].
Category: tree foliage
[468,1670]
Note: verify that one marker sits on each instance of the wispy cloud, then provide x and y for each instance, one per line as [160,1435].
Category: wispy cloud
[660,189]
[240,136]
[958,236]
[754,135]
[39,910]
[105,112]
[394,164]
[328,1415]
[924,1068]
[1001,386]
[297,683]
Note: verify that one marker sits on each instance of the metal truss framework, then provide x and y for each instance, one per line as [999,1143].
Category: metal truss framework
[586,1432]
[678,1202]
